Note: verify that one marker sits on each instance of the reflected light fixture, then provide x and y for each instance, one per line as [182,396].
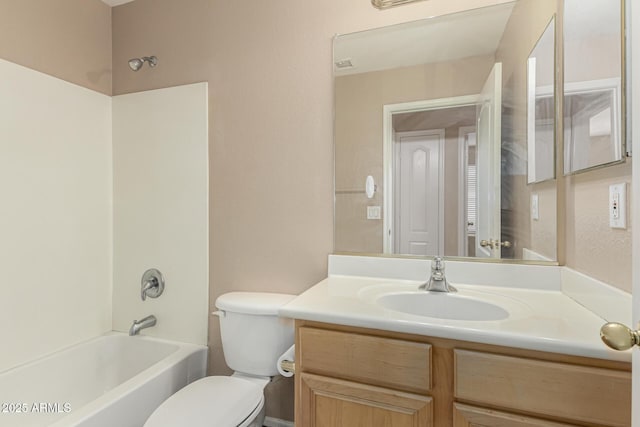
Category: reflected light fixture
[386,4]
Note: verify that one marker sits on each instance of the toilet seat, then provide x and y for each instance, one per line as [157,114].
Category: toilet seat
[210,401]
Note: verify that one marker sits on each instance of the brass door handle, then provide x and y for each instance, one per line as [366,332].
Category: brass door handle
[495,243]
[619,336]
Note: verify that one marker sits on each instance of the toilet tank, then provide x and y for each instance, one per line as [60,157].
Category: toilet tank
[253,336]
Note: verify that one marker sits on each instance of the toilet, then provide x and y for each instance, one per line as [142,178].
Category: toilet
[253,337]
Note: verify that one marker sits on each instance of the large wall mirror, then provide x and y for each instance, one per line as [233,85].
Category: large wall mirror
[593,84]
[436,112]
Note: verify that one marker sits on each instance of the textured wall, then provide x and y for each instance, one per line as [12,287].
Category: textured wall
[593,247]
[68,39]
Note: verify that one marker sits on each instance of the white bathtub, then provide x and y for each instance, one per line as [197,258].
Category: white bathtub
[110,381]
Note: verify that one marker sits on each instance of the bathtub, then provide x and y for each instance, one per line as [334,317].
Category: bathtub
[112,380]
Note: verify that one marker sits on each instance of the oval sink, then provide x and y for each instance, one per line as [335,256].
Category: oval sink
[441,305]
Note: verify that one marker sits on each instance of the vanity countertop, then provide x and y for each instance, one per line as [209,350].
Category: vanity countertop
[545,320]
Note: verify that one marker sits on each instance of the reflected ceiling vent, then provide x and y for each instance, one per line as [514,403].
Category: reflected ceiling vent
[343,64]
[386,4]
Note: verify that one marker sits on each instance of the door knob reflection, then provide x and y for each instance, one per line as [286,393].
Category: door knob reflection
[494,244]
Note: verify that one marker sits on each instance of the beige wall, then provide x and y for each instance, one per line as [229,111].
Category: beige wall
[593,247]
[359,140]
[68,39]
[269,68]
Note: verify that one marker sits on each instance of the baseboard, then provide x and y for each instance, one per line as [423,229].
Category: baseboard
[276,422]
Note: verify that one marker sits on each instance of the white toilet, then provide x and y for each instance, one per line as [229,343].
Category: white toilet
[253,337]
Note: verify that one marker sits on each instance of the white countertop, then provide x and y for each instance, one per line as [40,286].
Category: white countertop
[542,320]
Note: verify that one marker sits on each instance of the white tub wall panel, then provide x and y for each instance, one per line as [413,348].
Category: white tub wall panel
[55,214]
[161,215]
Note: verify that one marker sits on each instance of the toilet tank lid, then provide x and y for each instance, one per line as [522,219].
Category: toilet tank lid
[261,303]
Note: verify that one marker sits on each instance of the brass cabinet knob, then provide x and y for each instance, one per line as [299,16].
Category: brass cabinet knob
[619,336]
[485,243]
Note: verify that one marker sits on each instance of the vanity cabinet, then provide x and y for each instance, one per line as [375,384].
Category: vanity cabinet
[352,377]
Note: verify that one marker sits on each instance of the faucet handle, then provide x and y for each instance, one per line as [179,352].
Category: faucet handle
[152,284]
[437,264]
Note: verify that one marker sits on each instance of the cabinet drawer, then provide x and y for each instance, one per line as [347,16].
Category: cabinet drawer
[470,416]
[596,395]
[368,359]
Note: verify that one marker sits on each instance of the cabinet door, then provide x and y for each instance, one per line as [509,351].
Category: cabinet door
[329,402]
[471,416]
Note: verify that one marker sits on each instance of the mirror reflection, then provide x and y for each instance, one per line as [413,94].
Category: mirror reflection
[592,84]
[436,111]
[541,108]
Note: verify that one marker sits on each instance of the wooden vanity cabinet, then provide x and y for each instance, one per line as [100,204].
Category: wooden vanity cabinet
[352,377]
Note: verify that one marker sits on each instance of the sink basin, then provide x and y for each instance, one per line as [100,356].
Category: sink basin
[452,306]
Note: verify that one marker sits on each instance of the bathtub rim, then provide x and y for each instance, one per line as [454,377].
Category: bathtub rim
[84,412]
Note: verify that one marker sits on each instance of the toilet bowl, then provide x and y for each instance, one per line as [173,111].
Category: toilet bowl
[253,337]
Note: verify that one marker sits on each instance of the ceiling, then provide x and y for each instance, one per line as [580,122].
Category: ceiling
[116,2]
[441,39]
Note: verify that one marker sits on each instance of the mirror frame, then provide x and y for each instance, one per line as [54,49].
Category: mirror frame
[625,100]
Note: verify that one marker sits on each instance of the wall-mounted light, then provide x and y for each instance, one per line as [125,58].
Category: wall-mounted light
[385,4]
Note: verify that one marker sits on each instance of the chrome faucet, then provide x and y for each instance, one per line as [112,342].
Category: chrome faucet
[139,325]
[437,282]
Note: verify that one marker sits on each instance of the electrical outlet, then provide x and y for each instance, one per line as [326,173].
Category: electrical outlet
[618,206]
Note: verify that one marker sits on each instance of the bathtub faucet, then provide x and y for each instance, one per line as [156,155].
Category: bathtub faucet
[139,325]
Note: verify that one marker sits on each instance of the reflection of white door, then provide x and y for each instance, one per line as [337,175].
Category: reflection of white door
[418,175]
[488,166]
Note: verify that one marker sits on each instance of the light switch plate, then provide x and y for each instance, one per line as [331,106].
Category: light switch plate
[373,212]
[618,206]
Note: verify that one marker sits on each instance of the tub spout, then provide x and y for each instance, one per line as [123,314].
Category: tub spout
[139,325]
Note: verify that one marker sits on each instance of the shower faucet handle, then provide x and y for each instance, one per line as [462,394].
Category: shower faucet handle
[152,284]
